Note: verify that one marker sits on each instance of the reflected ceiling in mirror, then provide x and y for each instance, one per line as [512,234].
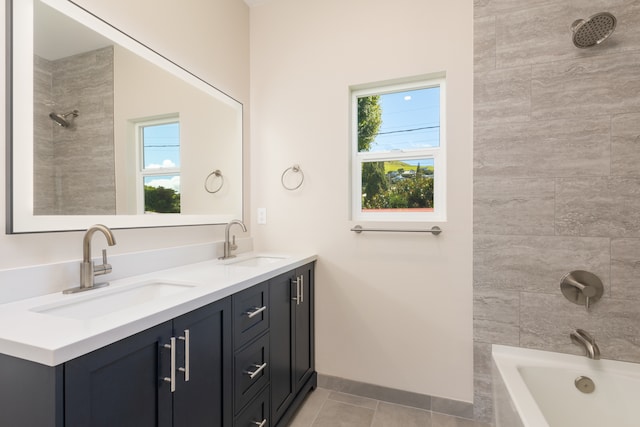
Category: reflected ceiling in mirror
[104,130]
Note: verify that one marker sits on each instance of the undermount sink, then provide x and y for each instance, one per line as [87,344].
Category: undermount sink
[112,300]
[256,261]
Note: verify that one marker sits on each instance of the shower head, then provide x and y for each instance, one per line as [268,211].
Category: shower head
[593,30]
[61,119]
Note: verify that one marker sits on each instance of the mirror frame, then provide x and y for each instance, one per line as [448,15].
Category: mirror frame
[19,126]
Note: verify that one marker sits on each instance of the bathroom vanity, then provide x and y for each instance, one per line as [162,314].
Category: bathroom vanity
[232,346]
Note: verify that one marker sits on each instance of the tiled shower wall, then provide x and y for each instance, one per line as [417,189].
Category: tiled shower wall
[74,167]
[556,179]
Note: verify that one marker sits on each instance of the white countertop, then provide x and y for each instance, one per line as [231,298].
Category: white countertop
[52,339]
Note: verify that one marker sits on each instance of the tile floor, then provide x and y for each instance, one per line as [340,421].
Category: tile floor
[326,408]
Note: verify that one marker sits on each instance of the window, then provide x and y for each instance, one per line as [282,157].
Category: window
[159,165]
[398,152]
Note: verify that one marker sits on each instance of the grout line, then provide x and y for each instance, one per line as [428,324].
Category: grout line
[319,411]
[375,411]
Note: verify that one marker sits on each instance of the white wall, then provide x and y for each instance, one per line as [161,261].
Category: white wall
[392,309]
[211,39]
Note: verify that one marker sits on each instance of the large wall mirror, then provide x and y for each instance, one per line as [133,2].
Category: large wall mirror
[105,130]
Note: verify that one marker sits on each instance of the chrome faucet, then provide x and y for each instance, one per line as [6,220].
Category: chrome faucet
[88,270]
[584,339]
[230,246]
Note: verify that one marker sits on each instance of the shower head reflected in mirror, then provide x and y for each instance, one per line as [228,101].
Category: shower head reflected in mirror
[61,119]
[593,30]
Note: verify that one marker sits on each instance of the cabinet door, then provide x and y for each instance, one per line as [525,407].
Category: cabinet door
[121,384]
[303,349]
[281,290]
[205,399]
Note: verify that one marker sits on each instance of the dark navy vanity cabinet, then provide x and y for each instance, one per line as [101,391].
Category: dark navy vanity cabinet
[245,361]
[131,382]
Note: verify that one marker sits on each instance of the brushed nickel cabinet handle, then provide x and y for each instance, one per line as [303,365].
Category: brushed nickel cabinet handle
[187,355]
[253,374]
[297,297]
[260,423]
[256,311]
[172,378]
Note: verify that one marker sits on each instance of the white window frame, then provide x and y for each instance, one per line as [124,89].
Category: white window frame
[438,154]
[141,171]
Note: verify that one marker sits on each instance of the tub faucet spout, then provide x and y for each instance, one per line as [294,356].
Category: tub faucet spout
[584,339]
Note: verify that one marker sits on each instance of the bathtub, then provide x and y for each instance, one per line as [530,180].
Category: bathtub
[535,388]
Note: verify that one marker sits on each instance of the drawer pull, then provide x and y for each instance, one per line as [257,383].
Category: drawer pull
[260,423]
[187,356]
[172,378]
[259,369]
[255,311]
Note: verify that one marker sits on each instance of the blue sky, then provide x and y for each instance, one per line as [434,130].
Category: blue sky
[162,149]
[410,120]
[162,145]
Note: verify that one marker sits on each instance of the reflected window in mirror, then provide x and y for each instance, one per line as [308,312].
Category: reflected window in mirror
[158,143]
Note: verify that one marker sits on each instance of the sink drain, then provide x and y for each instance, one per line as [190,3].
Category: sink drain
[585,384]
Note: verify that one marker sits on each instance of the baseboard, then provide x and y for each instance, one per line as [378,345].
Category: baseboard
[401,397]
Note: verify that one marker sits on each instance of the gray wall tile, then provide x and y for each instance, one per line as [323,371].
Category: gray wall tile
[496,316]
[43,166]
[586,87]
[532,36]
[556,134]
[593,206]
[76,175]
[502,96]
[491,7]
[625,269]
[484,44]
[482,382]
[539,35]
[536,263]
[543,148]
[546,321]
[625,144]
[514,206]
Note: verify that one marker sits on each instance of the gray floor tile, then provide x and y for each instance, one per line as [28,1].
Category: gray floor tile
[388,415]
[325,408]
[309,410]
[338,414]
[441,420]
[352,399]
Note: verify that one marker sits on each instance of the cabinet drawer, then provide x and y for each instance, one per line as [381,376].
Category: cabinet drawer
[256,414]
[251,371]
[250,314]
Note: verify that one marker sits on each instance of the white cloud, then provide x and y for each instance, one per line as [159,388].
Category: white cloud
[173,182]
[166,164]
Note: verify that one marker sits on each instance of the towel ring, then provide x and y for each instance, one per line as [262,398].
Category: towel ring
[294,169]
[218,174]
